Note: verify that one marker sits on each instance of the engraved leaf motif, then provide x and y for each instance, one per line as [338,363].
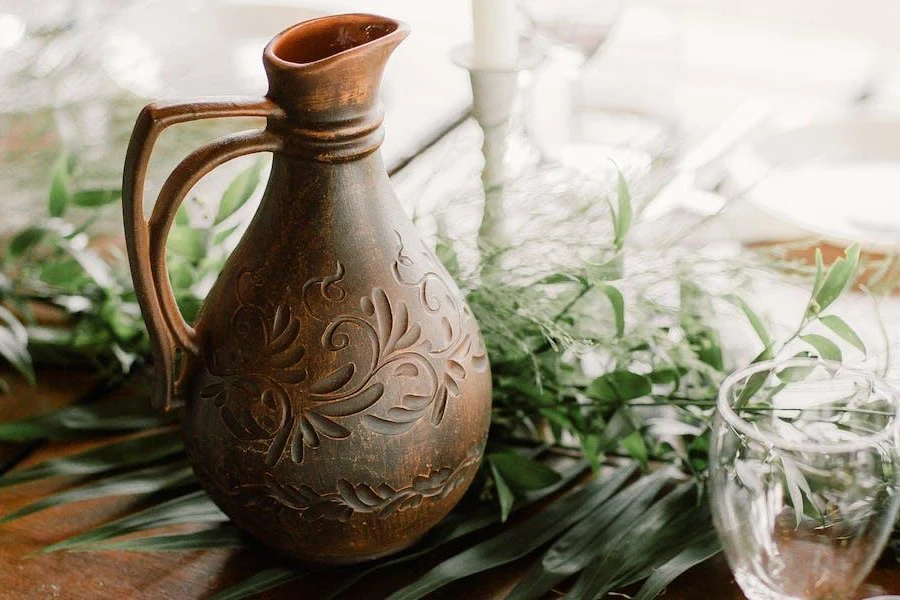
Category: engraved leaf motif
[447,330]
[327,427]
[281,319]
[334,380]
[310,436]
[385,426]
[286,494]
[283,339]
[412,335]
[354,404]
[399,414]
[399,326]
[383,317]
[368,495]
[332,508]
[360,498]
[277,448]
[440,407]
[246,429]
[288,358]
[451,386]
[456,370]
[408,369]
[416,401]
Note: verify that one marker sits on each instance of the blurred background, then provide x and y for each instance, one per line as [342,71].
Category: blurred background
[749,84]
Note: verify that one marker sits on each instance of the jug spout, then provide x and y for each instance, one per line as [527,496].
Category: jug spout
[325,75]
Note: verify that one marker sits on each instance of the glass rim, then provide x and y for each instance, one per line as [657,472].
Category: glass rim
[724,408]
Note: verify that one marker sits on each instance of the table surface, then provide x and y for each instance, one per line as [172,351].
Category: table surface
[198,574]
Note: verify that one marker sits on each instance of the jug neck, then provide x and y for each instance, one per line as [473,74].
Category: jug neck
[325,75]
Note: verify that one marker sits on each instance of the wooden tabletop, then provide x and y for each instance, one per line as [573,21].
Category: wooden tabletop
[199,574]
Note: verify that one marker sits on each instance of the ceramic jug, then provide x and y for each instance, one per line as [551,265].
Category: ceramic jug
[334,388]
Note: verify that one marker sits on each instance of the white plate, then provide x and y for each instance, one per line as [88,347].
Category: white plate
[838,179]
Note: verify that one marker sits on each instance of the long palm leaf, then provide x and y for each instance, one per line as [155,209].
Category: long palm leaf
[142,481]
[520,539]
[110,456]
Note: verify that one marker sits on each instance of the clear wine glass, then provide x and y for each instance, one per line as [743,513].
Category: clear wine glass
[578,27]
[803,477]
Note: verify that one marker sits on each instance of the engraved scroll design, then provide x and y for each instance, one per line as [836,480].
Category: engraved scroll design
[251,393]
[347,498]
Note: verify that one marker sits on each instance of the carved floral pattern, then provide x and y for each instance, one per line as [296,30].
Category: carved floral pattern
[251,388]
[348,499]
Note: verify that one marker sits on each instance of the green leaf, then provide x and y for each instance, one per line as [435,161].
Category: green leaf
[191,508]
[619,386]
[579,545]
[66,273]
[795,374]
[618,304]
[458,525]
[755,322]
[187,242]
[504,494]
[95,198]
[623,215]
[259,583]
[839,276]
[142,481]
[820,272]
[517,540]
[223,536]
[25,240]
[521,472]
[825,347]
[756,381]
[700,550]
[116,455]
[844,331]
[222,236]
[182,218]
[797,486]
[127,414]
[643,543]
[239,191]
[60,193]
[635,446]
[14,344]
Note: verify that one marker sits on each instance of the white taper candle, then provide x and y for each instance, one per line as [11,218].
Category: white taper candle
[496,41]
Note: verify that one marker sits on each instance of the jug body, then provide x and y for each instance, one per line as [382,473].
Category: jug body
[335,387]
[341,384]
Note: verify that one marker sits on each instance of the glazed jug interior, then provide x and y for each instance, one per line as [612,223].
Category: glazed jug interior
[321,39]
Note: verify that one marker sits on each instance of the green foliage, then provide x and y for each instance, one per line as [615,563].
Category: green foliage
[127,453]
[583,354]
[259,583]
[142,481]
[14,344]
[514,473]
[222,536]
[193,508]
[239,191]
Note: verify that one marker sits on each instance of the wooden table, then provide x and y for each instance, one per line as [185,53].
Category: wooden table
[198,574]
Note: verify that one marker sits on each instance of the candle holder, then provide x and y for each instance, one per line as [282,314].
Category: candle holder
[494,93]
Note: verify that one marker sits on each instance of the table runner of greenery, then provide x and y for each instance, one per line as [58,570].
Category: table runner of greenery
[589,362]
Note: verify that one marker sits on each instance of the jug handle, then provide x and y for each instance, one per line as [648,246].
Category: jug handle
[146,240]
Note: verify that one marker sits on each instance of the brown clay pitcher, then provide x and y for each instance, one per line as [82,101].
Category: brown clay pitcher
[335,389]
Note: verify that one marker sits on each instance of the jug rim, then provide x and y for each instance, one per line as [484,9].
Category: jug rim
[275,52]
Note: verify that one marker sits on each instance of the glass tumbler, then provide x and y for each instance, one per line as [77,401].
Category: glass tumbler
[803,477]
